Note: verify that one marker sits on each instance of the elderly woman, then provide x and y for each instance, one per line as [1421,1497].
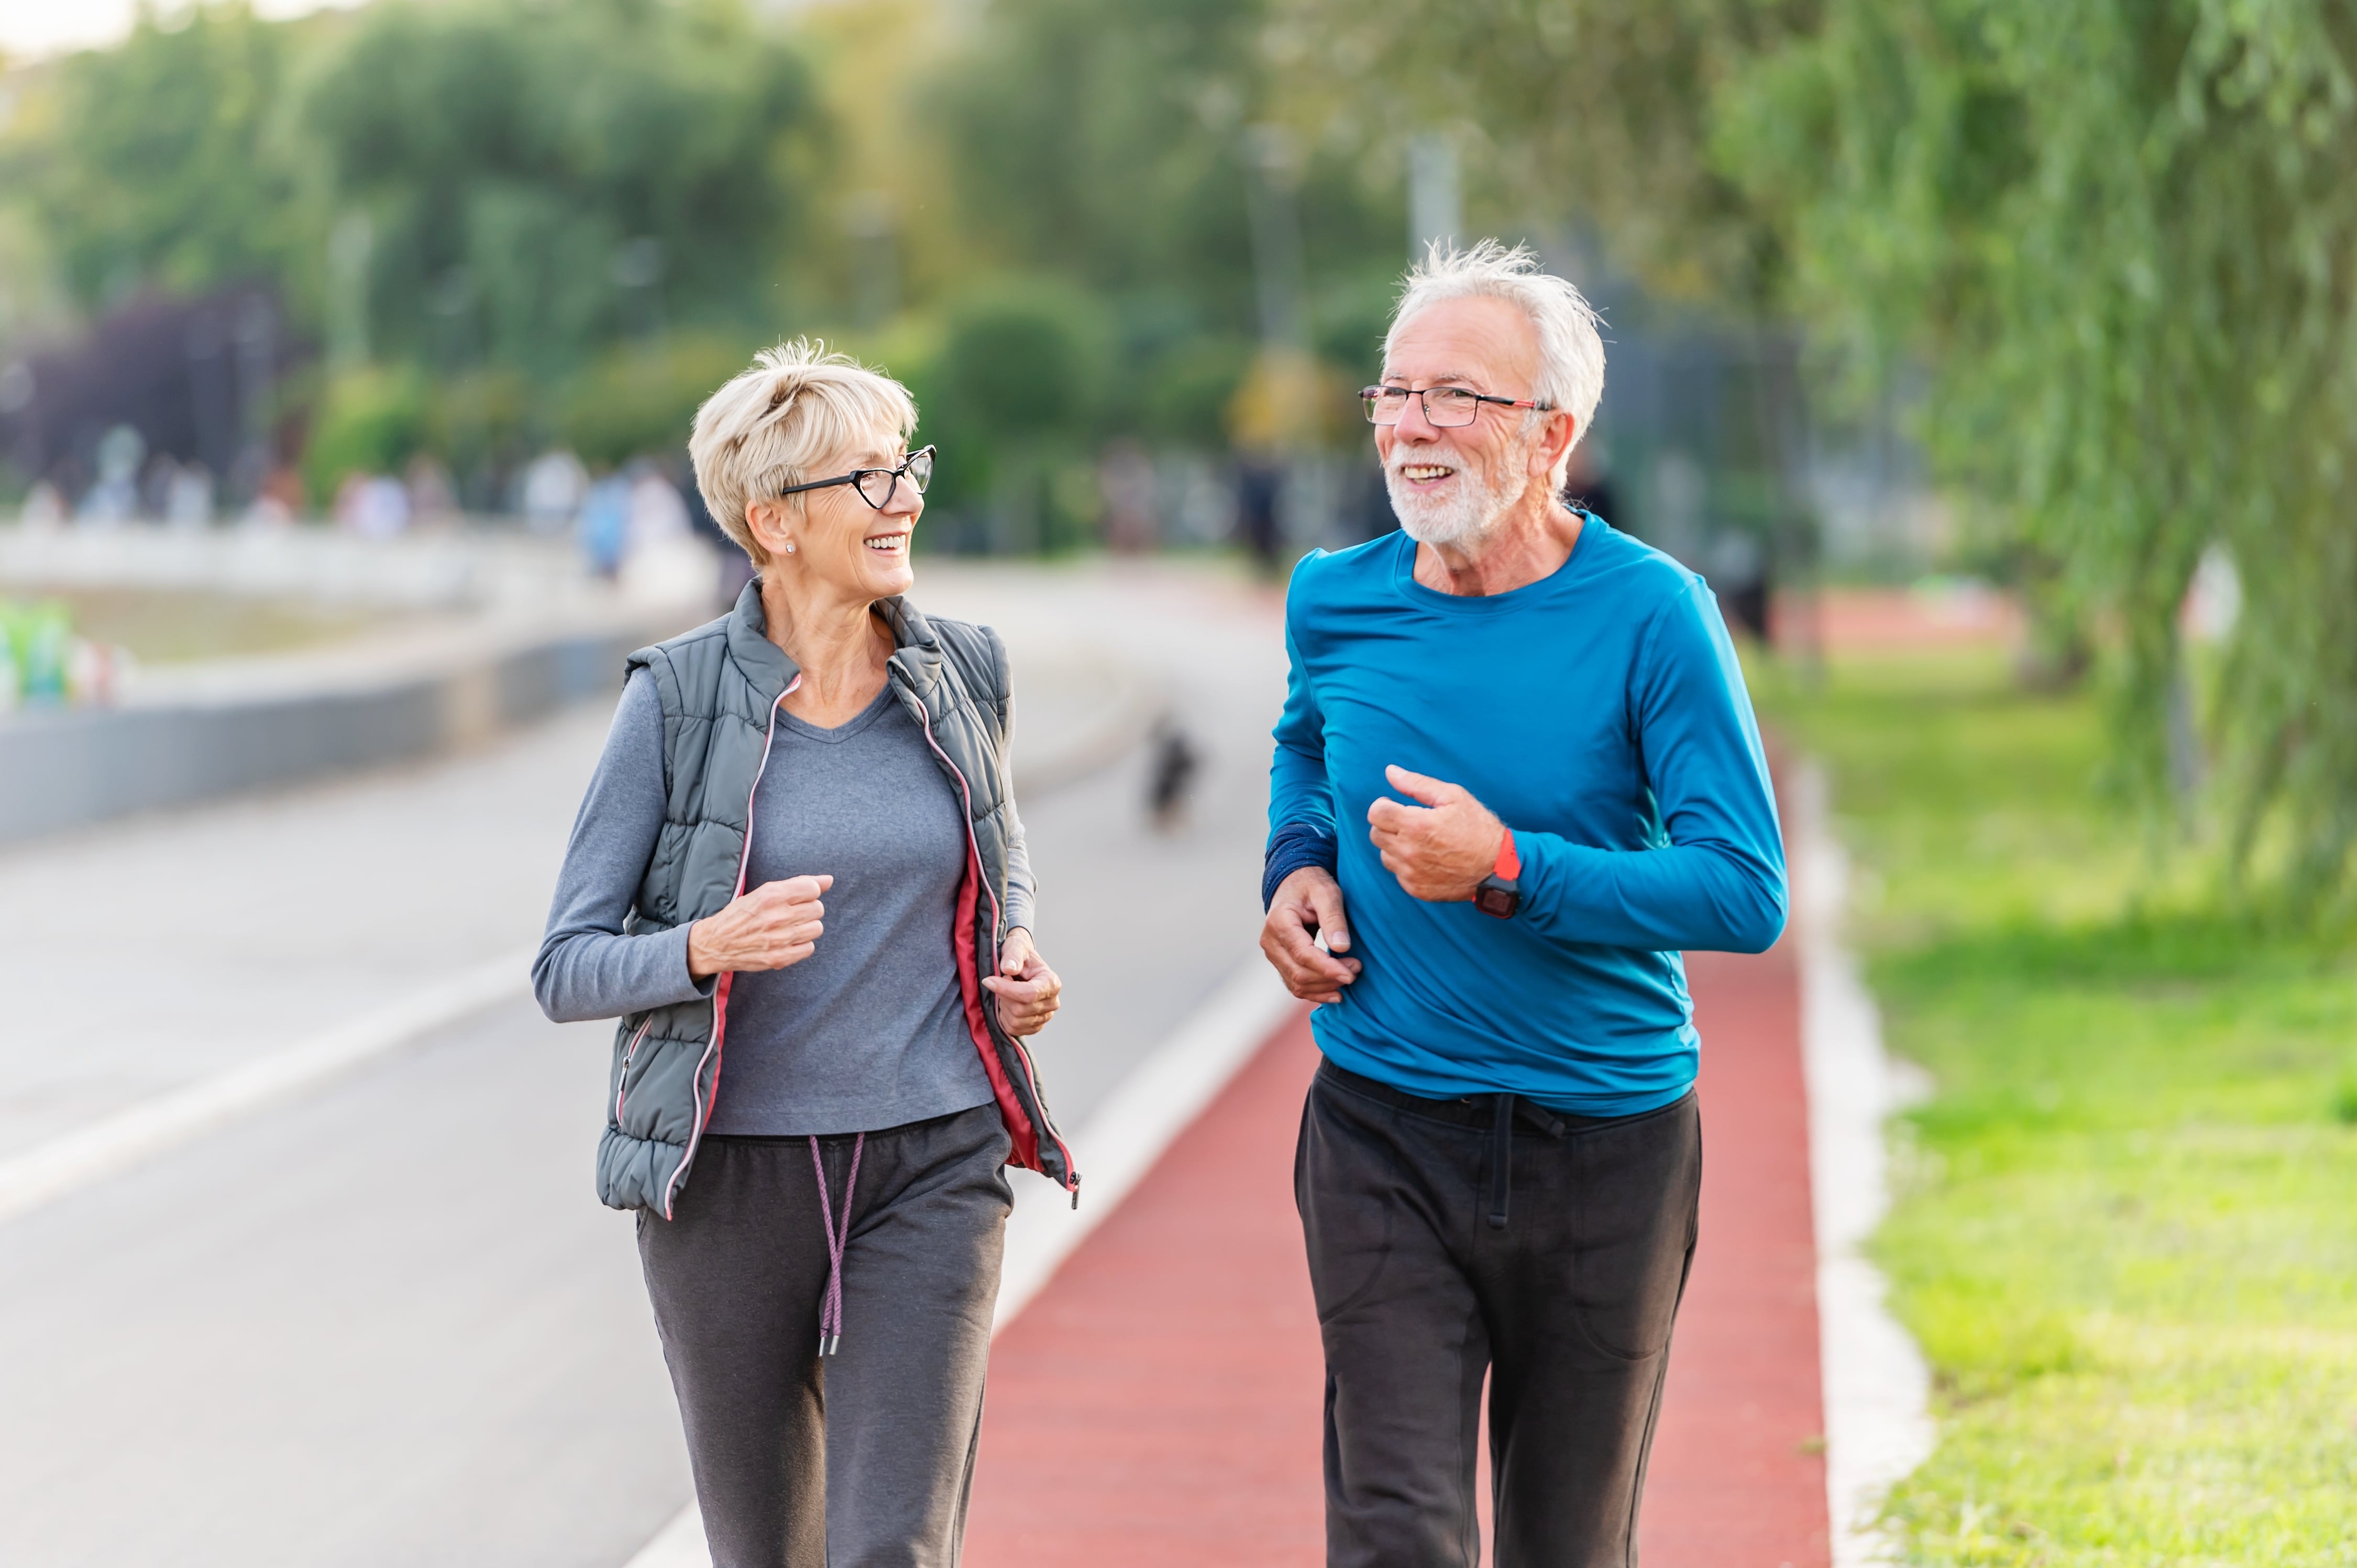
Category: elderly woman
[800,882]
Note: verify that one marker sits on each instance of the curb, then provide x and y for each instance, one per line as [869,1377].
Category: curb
[1876,1387]
[68,770]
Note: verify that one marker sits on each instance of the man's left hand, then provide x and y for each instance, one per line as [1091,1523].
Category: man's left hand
[1440,850]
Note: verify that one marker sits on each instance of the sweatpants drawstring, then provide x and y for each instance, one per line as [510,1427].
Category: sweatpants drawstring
[1501,1150]
[830,1316]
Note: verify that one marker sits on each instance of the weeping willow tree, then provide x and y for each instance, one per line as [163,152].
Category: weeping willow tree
[1596,110]
[2121,235]
[2116,238]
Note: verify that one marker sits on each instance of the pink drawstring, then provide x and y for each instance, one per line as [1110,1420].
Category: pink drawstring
[830,1316]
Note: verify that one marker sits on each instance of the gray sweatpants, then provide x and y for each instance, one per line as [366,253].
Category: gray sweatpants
[861,1459]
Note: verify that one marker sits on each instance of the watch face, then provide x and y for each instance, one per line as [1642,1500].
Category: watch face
[1492,899]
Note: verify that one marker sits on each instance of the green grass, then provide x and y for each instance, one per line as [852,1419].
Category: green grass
[2125,1231]
[164,627]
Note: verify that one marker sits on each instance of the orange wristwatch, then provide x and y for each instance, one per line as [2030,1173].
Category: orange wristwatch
[1497,893]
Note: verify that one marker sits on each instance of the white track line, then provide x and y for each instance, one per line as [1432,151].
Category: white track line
[131,1137]
[1876,1387]
[1161,1096]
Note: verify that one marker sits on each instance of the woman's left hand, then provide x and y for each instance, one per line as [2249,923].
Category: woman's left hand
[1027,988]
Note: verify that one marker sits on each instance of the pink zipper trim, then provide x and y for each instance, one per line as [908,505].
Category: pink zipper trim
[998,935]
[720,987]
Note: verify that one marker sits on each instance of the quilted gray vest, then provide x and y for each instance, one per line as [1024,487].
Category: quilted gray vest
[720,686]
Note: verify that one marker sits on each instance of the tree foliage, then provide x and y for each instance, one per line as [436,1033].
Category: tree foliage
[1111,144]
[157,164]
[1103,139]
[2116,239]
[541,179]
[1593,109]
[2122,237]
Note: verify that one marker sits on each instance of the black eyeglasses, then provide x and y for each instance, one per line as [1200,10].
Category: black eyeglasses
[1445,408]
[877,486]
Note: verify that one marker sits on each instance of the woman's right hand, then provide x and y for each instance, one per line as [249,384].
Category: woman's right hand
[770,927]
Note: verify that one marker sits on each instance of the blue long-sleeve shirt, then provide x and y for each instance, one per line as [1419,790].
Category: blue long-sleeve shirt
[1601,713]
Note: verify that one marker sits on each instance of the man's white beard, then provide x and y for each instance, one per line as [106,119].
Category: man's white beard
[1480,504]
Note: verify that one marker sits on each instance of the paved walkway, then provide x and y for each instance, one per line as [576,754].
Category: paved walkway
[1158,1404]
[385,1322]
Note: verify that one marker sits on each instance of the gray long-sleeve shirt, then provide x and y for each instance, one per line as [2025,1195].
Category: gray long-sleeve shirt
[869,1030]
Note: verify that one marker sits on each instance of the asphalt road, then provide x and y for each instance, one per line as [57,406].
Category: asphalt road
[388,1323]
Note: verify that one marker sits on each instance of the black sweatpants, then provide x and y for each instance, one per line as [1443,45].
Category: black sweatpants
[1566,1306]
[861,1459]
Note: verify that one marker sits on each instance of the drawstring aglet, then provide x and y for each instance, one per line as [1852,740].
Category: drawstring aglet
[827,1342]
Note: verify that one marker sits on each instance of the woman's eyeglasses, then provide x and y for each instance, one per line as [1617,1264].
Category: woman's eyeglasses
[876,487]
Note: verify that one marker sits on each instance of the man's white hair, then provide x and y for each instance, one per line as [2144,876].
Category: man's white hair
[769,427]
[1571,350]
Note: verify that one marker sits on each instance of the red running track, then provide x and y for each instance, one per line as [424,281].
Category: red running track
[1157,1406]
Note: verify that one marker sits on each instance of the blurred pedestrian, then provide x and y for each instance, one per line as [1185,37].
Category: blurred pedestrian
[1171,764]
[188,502]
[1260,483]
[1125,480]
[800,839]
[603,527]
[554,484]
[375,506]
[114,498]
[278,501]
[433,495]
[657,515]
[1516,773]
[44,507]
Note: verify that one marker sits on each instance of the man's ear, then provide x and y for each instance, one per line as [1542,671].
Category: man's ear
[1559,438]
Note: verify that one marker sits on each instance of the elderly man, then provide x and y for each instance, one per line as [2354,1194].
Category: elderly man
[1517,772]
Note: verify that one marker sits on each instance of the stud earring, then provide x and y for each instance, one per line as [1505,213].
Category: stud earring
[790,547]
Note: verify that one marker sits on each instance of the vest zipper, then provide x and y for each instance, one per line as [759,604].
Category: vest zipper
[1038,1107]
[720,986]
[629,1055]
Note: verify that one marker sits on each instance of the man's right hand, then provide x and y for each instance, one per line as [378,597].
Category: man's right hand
[1308,903]
[770,927]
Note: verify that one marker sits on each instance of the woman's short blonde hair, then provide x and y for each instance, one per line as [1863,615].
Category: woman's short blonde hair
[798,406]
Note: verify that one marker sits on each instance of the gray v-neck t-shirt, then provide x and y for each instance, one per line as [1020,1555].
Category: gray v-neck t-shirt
[867,1032]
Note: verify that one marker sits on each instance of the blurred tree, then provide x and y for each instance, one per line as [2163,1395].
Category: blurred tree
[637,399]
[369,421]
[544,178]
[1104,142]
[2121,236]
[1021,360]
[153,163]
[480,422]
[1101,139]
[1013,395]
[1599,110]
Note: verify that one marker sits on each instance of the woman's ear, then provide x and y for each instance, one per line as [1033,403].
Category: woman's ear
[765,521]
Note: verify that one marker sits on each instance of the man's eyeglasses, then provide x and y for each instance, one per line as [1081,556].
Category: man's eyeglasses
[877,486]
[1445,408]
